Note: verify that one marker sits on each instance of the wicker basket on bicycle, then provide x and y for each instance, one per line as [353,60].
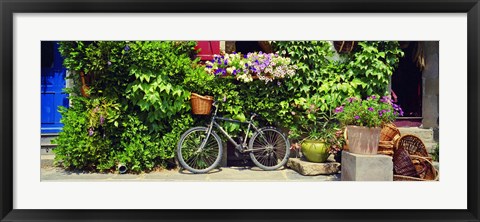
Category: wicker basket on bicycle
[411,161]
[201,105]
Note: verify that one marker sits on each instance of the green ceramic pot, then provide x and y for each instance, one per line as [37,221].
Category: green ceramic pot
[315,151]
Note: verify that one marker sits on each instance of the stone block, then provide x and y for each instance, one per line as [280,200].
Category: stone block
[223,161]
[312,169]
[357,167]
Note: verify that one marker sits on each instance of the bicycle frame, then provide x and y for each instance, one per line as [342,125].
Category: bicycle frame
[240,147]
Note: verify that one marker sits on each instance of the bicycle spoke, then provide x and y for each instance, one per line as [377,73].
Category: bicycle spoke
[269,149]
[194,157]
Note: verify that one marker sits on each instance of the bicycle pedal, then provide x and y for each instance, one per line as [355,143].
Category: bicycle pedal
[237,153]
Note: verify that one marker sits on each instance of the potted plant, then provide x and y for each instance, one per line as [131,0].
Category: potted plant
[363,120]
[322,137]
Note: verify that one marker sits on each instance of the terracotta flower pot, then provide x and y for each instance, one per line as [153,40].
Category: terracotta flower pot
[363,140]
[315,151]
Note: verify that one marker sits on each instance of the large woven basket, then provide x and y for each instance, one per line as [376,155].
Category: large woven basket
[201,105]
[389,132]
[418,156]
[385,148]
[412,144]
[425,170]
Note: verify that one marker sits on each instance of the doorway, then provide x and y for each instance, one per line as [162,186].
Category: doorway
[407,85]
[52,85]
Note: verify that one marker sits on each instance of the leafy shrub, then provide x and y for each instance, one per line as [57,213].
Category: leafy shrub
[79,146]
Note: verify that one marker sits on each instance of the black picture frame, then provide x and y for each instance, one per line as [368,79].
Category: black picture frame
[9,7]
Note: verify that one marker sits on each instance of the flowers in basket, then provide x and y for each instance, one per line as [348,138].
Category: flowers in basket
[264,66]
[374,111]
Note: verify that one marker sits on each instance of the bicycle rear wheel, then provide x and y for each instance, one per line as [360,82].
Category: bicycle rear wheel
[271,148]
[192,156]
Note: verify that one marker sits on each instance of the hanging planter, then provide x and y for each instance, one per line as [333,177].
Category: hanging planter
[344,46]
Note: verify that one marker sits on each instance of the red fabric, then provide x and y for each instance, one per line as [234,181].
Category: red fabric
[207,49]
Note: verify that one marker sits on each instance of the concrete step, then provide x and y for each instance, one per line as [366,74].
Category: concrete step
[46,145]
[430,146]
[46,139]
[426,135]
[46,161]
[47,150]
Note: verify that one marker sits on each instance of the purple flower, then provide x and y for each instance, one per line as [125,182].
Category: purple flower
[127,47]
[226,62]
[90,131]
[370,109]
[234,72]
[279,83]
[351,99]
[380,112]
[357,117]
[385,99]
[209,67]
[109,63]
[339,109]
[102,119]
[373,97]
[401,111]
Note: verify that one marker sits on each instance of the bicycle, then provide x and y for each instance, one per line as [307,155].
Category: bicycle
[200,149]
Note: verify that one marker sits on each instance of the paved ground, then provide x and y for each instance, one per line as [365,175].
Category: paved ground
[52,174]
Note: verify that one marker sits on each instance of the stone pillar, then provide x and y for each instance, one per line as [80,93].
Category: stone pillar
[430,85]
[357,167]
[223,161]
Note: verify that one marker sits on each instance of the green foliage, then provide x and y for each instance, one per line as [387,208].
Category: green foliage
[372,65]
[436,153]
[138,105]
[324,81]
[139,149]
[79,146]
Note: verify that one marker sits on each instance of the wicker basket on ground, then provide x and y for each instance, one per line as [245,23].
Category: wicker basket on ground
[389,132]
[385,148]
[425,170]
[410,152]
[388,137]
[201,105]
[412,144]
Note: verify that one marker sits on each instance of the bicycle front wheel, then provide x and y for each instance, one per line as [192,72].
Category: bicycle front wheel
[270,148]
[195,158]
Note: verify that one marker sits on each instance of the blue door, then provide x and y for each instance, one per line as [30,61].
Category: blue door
[53,83]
